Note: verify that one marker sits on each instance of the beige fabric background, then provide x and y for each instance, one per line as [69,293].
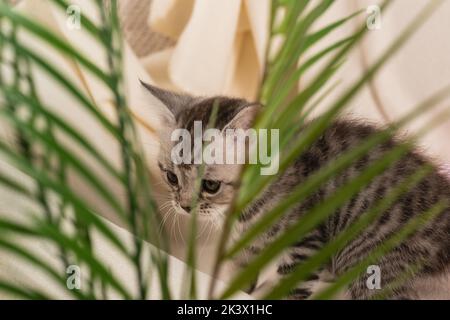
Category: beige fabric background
[420,68]
[143,105]
[143,39]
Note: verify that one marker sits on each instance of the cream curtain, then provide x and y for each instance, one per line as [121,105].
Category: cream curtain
[220,45]
[220,49]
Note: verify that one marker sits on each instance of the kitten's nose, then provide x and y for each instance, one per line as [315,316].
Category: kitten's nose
[187,209]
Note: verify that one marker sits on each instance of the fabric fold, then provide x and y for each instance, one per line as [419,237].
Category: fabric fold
[220,49]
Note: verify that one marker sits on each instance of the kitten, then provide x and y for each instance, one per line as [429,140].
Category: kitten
[431,244]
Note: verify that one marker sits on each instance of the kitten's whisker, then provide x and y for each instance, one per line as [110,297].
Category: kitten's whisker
[179,230]
[211,228]
[165,204]
[202,248]
[173,234]
[163,208]
[164,220]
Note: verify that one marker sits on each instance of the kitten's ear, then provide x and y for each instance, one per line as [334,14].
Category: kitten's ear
[175,102]
[245,118]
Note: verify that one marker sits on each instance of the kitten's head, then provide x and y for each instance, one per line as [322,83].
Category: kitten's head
[219,180]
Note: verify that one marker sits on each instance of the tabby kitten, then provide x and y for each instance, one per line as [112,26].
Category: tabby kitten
[430,245]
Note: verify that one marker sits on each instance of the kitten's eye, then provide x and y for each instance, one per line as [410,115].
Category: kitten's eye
[210,186]
[172,178]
